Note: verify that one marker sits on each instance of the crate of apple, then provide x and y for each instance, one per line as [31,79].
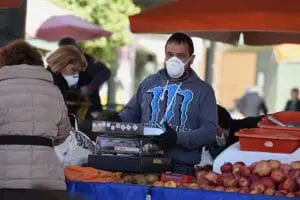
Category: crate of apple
[265,177]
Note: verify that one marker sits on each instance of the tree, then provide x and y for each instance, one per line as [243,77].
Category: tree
[112,15]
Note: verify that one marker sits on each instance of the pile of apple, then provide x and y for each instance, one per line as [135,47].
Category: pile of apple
[265,177]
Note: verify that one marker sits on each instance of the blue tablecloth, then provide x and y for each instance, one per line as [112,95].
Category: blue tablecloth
[111,191]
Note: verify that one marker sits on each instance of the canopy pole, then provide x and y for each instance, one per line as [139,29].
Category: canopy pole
[209,66]
[12,23]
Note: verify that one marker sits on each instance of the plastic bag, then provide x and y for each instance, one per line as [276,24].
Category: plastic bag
[206,158]
[75,149]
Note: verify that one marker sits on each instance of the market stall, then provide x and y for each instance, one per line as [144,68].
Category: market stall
[114,171]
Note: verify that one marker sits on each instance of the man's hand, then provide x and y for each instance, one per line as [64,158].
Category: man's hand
[168,139]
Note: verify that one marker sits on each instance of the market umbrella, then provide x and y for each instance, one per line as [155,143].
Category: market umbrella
[262,22]
[48,22]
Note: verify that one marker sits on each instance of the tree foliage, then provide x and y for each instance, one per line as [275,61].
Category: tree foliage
[112,15]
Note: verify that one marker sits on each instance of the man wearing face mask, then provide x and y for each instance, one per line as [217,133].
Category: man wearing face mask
[175,98]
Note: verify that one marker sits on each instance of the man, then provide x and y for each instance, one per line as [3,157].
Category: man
[92,78]
[294,103]
[252,104]
[178,100]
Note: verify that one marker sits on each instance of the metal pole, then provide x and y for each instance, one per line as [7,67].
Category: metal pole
[209,66]
[12,23]
[111,96]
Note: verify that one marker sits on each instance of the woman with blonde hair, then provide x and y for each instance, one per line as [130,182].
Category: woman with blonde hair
[65,64]
[33,118]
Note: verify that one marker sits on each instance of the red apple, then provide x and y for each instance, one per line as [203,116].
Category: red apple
[236,167]
[267,182]
[226,168]
[220,188]
[255,192]
[297,194]
[244,190]
[231,189]
[295,165]
[243,182]
[229,181]
[220,179]
[275,164]
[253,165]
[285,167]
[263,168]
[258,186]
[254,178]
[245,171]
[269,191]
[298,181]
[289,184]
[211,177]
[290,194]
[277,175]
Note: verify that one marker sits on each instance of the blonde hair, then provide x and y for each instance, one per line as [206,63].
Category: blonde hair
[63,56]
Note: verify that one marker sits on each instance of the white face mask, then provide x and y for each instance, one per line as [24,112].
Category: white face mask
[175,67]
[71,79]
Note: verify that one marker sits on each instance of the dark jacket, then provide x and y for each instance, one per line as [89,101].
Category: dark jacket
[235,126]
[289,106]
[252,105]
[93,77]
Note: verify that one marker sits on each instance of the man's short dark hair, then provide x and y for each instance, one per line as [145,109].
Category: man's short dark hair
[224,117]
[67,41]
[182,38]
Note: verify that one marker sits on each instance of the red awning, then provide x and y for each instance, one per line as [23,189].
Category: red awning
[261,21]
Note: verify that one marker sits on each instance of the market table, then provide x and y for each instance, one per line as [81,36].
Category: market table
[234,154]
[113,191]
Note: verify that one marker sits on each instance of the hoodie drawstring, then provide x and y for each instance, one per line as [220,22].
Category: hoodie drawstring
[170,104]
[164,91]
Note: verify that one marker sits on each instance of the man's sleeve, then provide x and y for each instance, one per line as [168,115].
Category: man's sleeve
[206,134]
[132,110]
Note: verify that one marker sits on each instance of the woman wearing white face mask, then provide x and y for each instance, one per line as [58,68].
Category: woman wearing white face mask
[65,64]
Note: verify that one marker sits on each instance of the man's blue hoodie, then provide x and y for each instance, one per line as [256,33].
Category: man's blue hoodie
[188,106]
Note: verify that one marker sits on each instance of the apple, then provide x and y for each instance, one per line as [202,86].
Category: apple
[263,168]
[232,189]
[290,194]
[267,182]
[226,167]
[245,171]
[277,175]
[229,181]
[269,191]
[211,177]
[275,164]
[289,184]
[295,165]
[258,186]
[243,182]
[220,188]
[253,165]
[244,190]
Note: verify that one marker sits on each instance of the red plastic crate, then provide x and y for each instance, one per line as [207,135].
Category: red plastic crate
[284,117]
[268,140]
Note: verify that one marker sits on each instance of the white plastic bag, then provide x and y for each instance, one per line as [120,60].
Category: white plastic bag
[75,149]
[206,158]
